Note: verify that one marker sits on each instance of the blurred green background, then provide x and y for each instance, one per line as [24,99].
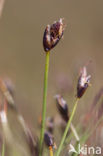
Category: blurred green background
[22,57]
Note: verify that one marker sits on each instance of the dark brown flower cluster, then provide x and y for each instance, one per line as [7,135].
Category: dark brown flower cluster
[49,140]
[62,107]
[53,33]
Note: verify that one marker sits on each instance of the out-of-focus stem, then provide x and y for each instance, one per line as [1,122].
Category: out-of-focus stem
[74,132]
[3,149]
[51,151]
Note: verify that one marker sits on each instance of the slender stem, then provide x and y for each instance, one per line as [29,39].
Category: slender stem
[68,139]
[74,132]
[67,128]
[51,151]
[3,149]
[44,102]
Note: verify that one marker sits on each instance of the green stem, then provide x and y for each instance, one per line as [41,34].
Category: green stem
[67,128]
[44,102]
[3,149]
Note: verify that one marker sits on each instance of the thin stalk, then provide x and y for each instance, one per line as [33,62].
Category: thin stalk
[3,149]
[68,139]
[74,132]
[71,135]
[51,151]
[67,128]
[44,102]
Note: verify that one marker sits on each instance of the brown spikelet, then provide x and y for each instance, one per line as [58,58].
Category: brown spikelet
[53,33]
[83,82]
[62,107]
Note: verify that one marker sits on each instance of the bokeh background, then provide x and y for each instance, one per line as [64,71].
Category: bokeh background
[22,57]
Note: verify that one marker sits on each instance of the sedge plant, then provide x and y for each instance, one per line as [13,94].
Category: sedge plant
[52,34]
[83,83]
[64,112]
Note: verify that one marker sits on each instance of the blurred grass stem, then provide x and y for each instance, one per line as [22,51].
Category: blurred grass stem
[74,132]
[44,102]
[3,149]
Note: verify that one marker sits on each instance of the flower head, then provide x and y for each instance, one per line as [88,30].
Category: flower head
[49,140]
[83,82]
[50,124]
[53,33]
[62,107]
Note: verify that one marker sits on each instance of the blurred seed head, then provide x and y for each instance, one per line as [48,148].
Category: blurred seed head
[49,140]
[32,140]
[1,6]
[10,86]
[6,93]
[83,82]
[3,117]
[62,107]
[50,124]
[52,34]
